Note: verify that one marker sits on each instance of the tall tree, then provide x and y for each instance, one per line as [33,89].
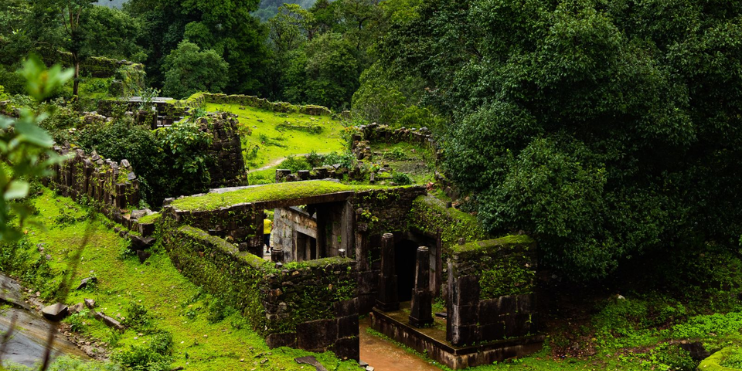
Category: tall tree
[607,129]
[227,27]
[68,14]
[189,70]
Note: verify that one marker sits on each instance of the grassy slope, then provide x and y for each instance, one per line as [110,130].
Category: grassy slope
[161,289]
[418,162]
[282,143]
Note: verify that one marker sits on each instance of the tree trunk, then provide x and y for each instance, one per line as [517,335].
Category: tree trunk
[76,81]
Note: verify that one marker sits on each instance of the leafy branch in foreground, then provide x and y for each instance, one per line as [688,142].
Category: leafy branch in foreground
[25,148]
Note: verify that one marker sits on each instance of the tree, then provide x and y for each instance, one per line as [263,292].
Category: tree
[324,73]
[227,27]
[189,70]
[607,130]
[67,14]
[112,33]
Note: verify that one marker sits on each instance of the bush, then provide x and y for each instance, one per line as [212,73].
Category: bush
[155,355]
[137,316]
[401,179]
[295,164]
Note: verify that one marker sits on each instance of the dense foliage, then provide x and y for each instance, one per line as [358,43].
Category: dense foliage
[606,129]
[189,70]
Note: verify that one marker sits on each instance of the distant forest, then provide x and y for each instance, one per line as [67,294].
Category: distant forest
[268,8]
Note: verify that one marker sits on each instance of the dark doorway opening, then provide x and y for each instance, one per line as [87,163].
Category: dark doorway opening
[405,268]
[306,247]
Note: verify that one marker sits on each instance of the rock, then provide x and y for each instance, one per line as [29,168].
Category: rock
[141,243]
[310,360]
[90,303]
[85,281]
[110,322]
[136,214]
[55,312]
[77,308]
[362,364]
[143,255]
[125,163]
[696,350]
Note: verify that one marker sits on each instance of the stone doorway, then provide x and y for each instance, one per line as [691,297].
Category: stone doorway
[405,261]
[306,247]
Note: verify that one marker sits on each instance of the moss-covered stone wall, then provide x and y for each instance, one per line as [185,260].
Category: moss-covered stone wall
[112,185]
[490,293]
[385,210]
[430,216]
[200,99]
[309,305]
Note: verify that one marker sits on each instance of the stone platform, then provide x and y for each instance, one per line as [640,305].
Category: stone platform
[432,341]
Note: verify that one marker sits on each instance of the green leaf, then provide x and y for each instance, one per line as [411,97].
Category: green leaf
[34,134]
[16,189]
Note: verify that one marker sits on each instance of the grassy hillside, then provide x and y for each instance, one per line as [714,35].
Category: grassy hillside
[275,136]
[153,296]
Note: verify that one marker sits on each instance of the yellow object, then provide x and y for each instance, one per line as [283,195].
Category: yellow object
[267,226]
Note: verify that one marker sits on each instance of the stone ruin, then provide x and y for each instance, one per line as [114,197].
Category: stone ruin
[363,243]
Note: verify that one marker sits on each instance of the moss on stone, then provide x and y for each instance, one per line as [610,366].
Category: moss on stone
[487,244]
[429,215]
[149,219]
[713,363]
[269,192]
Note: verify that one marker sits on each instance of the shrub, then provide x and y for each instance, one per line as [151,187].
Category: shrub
[401,179]
[155,355]
[295,164]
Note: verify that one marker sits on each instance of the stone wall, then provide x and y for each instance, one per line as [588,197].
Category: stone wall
[490,291]
[384,133]
[113,185]
[228,168]
[200,99]
[309,306]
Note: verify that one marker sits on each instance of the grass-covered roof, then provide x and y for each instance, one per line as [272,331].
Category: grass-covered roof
[265,193]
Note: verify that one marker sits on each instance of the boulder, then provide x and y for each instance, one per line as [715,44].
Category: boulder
[55,312]
[141,243]
[77,308]
[110,322]
[85,281]
[90,303]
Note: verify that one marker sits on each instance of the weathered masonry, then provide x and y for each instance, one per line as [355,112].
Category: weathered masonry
[344,250]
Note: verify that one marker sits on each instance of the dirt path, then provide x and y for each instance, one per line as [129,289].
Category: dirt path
[385,356]
[271,164]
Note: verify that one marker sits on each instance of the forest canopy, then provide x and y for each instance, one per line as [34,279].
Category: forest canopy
[608,129]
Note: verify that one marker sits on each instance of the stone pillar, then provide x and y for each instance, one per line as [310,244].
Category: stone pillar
[388,299]
[421,313]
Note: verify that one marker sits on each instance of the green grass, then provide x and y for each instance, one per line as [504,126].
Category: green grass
[414,160]
[268,192]
[273,142]
[174,303]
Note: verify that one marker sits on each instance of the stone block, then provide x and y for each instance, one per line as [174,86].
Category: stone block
[489,311]
[494,331]
[347,326]
[507,304]
[464,315]
[526,303]
[467,290]
[281,340]
[346,308]
[347,348]
[55,312]
[462,335]
[316,335]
